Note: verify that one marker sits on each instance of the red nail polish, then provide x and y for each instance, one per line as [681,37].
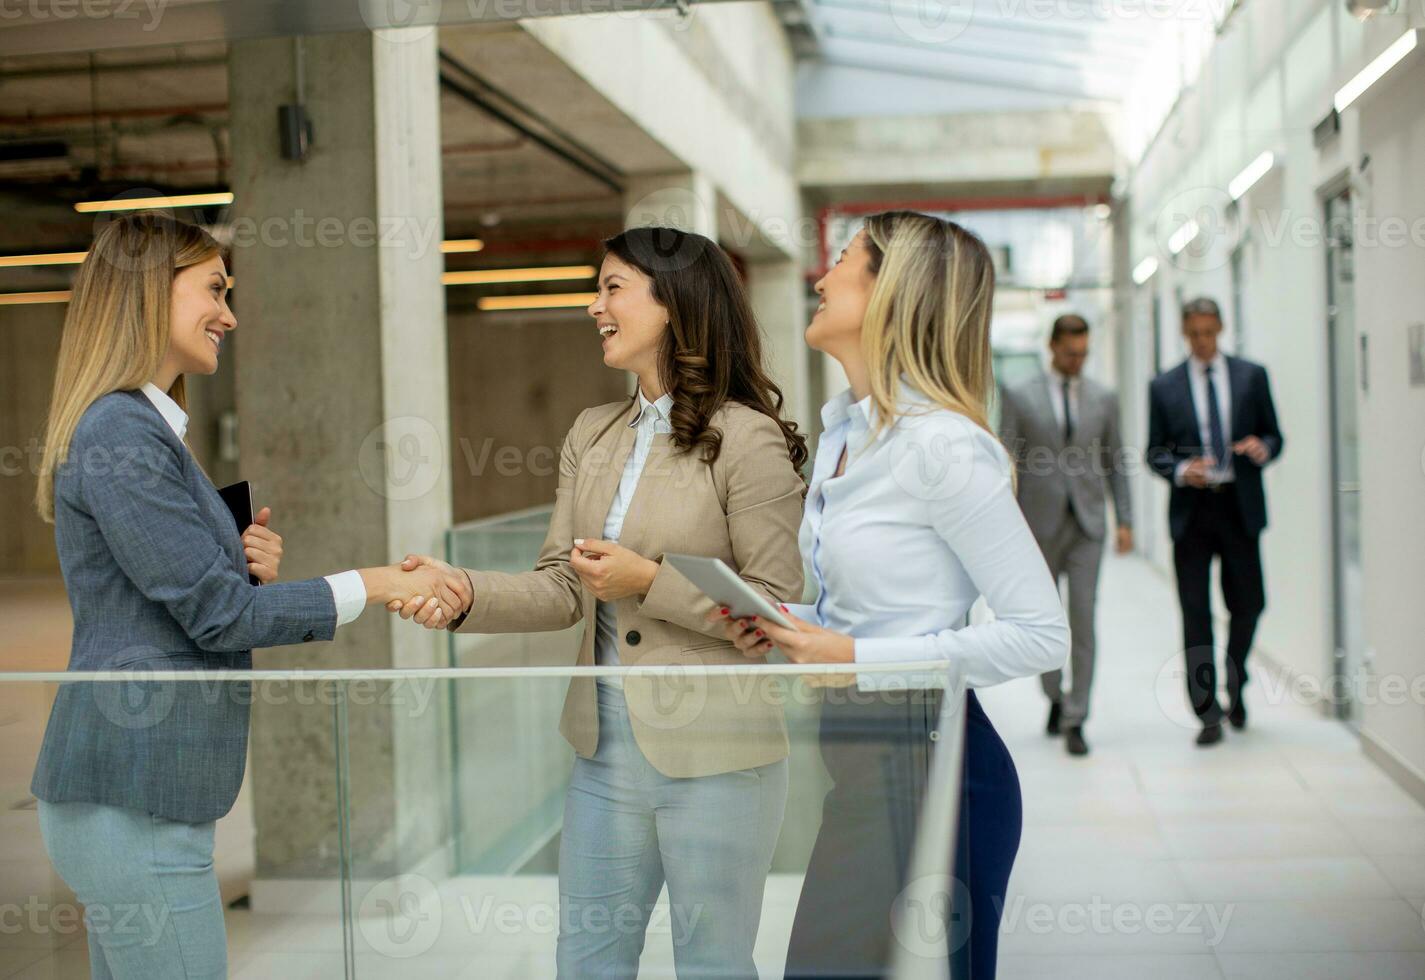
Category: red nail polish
[760,633]
[724,610]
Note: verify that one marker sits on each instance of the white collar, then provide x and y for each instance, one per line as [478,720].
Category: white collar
[1218,363]
[176,418]
[1061,378]
[843,407]
[662,408]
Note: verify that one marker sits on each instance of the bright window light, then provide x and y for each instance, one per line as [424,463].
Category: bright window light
[140,203]
[1248,178]
[480,277]
[26,299]
[45,258]
[1377,69]
[1183,237]
[537,302]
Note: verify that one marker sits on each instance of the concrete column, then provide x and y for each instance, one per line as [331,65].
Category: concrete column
[778,293]
[344,425]
[683,200]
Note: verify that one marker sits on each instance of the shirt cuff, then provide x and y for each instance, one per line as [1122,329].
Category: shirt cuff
[805,611]
[1178,480]
[891,649]
[350,594]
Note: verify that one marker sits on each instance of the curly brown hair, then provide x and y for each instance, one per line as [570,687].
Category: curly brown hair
[712,352]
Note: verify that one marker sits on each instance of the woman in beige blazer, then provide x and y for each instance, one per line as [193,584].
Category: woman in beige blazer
[678,778]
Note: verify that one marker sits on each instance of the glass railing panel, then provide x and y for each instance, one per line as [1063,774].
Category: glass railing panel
[277,852]
[464,878]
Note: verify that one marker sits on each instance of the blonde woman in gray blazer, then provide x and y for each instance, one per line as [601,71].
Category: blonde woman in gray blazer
[680,781]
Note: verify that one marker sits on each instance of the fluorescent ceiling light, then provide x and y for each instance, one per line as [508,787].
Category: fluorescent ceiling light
[1183,237]
[25,299]
[46,258]
[461,245]
[1248,178]
[140,203]
[478,277]
[535,302]
[1144,270]
[1377,69]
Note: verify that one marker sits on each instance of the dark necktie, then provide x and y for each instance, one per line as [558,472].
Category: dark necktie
[1214,423]
[1068,417]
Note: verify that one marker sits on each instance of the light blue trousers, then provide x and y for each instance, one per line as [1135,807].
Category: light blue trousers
[628,829]
[151,902]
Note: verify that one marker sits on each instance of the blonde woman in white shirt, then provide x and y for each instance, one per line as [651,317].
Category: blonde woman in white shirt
[909,519]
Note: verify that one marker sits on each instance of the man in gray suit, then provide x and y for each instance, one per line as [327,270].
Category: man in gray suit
[1062,430]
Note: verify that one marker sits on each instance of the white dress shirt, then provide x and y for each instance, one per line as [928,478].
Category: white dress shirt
[1197,380]
[654,418]
[348,591]
[922,523]
[1056,397]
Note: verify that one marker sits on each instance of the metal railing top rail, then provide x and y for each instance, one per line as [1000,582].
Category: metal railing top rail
[920,668]
[495,522]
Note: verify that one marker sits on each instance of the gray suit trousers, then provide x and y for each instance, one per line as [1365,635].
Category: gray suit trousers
[1076,556]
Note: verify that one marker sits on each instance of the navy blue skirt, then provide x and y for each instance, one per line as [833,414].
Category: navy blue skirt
[878,755]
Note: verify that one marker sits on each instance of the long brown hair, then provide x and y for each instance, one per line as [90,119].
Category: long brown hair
[117,326]
[928,319]
[712,352]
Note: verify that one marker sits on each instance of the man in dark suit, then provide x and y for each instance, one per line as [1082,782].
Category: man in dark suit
[1212,427]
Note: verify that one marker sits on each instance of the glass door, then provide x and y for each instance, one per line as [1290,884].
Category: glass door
[1345,469]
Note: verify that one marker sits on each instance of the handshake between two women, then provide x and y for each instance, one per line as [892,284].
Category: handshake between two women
[427,590]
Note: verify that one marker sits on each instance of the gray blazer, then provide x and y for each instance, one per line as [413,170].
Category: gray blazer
[157,580]
[1053,476]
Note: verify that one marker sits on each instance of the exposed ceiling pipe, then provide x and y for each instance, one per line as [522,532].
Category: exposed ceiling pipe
[87,116]
[458,78]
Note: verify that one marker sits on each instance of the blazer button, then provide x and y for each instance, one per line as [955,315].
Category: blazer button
[633,638]
[309,637]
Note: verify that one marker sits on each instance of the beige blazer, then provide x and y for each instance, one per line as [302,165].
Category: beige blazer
[745,509]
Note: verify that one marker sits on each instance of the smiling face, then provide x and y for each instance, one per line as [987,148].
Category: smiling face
[631,322]
[845,293]
[199,318]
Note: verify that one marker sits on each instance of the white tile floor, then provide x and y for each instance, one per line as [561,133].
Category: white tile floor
[1282,852]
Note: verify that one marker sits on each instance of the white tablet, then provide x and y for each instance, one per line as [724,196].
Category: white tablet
[723,586]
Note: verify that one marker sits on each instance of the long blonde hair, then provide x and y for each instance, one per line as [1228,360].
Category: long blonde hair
[928,318]
[117,326]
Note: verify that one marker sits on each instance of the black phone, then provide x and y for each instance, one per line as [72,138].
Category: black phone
[238,497]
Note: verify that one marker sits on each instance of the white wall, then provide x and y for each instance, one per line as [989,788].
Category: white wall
[1390,290]
[1265,85]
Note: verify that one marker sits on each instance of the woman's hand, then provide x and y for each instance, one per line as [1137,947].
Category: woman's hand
[611,571]
[420,608]
[436,595]
[263,548]
[807,644]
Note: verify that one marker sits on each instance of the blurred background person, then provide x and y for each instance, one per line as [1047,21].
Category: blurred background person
[1212,428]
[1062,430]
